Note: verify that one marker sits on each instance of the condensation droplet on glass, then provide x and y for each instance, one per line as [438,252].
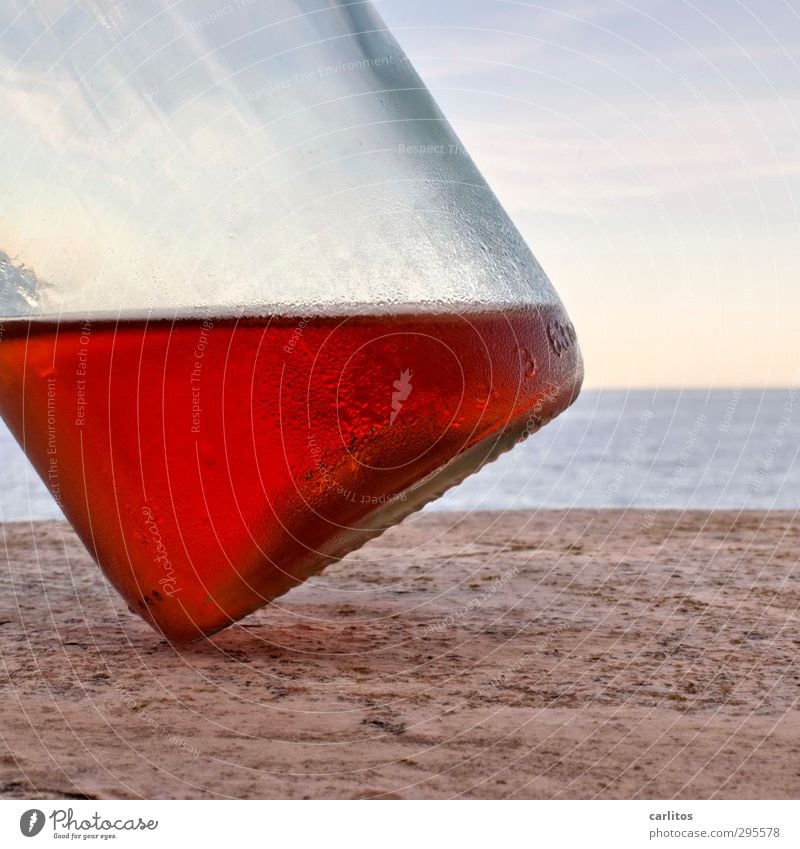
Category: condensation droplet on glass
[528,363]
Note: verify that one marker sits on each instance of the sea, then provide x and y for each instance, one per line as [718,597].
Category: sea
[731,448]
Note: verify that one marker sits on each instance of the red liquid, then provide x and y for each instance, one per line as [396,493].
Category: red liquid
[210,465]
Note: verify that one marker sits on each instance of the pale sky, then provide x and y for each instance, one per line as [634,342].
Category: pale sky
[650,154]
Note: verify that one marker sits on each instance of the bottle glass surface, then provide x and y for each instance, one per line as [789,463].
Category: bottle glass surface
[257,303]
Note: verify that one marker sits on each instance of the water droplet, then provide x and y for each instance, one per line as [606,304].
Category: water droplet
[482,396]
[528,363]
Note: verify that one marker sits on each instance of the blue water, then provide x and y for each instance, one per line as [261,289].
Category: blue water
[705,449]
[708,449]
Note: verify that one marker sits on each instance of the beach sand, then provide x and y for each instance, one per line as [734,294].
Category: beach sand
[557,654]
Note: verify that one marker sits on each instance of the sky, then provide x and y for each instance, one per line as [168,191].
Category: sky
[649,152]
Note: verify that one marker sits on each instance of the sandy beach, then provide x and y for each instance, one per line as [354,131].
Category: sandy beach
[557,654]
